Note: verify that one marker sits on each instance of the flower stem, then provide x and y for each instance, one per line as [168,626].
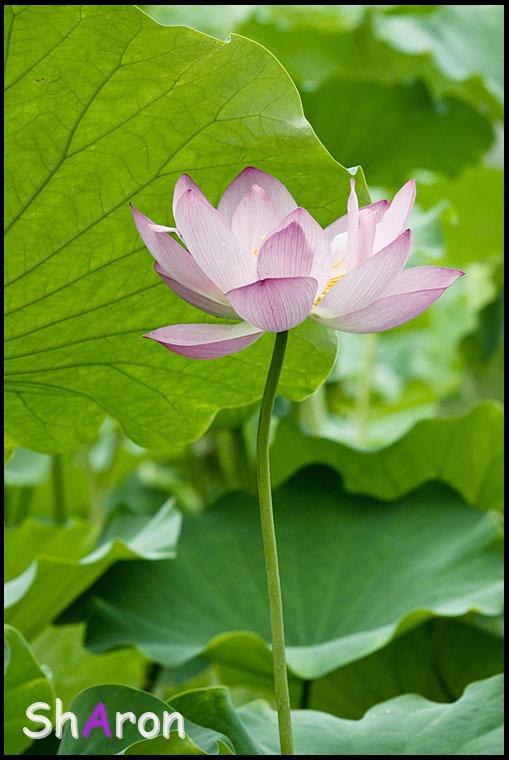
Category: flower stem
[270,547]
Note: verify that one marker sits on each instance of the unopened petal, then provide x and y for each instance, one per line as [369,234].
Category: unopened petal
[367,230]
[395,218]
[214,246]
[244,181]
[352,229]
[339,226]
[275,304]
[204,341]
[254,217]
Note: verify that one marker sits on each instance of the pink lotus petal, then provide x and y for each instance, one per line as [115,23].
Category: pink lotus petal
[162,228]
[255,216]
[199,300]
[336,228]
[423,278]
[285,253]
[184,183]
[297,248]
[275,304]
[338,248]
[214,246]
[204,341]
[424,285]
[244,181]
[380,207]
[385,313]
[367,282]
[339,226]
[395,218]
[310,245]
[367,230]
[352,229]
[175,262]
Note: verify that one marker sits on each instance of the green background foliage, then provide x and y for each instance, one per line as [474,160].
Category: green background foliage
[134,568]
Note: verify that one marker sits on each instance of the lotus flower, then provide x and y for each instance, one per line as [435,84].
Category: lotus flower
[261,258]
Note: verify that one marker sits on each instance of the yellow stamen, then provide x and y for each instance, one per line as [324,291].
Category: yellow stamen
[256,249]
[333,280]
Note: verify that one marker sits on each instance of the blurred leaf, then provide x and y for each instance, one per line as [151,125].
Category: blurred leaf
[484,354]
[32,538]
[160,746]
[74,668]
[230,419]
[81,290]
[464,452]
[27,468]
[213,707]
[35,598]
[198,740]
[216,20]
[408,725]
[313,51]
[455,50]
[412,132]
[25,682]
[451,655]
[9,446]
[464,41]
[360,552]
[472,214]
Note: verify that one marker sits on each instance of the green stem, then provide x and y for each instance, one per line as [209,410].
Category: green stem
[58,488]
[270,547]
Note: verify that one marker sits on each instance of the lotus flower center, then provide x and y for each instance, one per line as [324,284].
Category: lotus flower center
[336,275]
[256,249]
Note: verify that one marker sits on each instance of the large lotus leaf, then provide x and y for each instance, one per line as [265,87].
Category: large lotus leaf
[437,660]
[199,740]
[408,725]
[60,571]
[464,452]
[24,683]
[74,668]
[354,573]
[451,654]
[104,107]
